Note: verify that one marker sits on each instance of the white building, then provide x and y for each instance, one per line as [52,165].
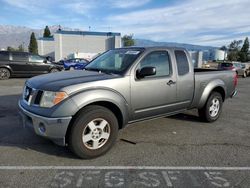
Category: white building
[199,57]
[65,43]
[214,55]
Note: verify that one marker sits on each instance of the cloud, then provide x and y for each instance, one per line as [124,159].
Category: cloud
[85,7]
[82,7]
[185,22]
[30,6]
[207,22]
[128,3]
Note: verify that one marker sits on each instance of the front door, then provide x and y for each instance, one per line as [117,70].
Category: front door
[38,64]
[154,95]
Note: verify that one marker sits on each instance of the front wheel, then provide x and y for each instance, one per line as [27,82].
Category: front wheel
[4,74]
[212,109]
[93,132]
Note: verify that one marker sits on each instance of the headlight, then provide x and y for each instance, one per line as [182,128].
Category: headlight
[50,98]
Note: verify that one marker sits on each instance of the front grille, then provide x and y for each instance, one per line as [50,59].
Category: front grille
[27,93]
[32,96]
[38,97]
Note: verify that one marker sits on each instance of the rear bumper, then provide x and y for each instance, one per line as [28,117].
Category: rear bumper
[52,128]
[234,93]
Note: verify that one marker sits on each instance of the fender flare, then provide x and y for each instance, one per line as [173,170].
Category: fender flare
[90,96]
[7,67]
[209,88]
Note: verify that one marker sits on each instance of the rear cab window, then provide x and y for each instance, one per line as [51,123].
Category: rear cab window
[182,62]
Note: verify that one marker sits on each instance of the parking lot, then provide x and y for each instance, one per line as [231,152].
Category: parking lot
[175,151]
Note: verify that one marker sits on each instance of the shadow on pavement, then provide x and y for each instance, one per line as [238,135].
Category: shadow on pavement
[186,117]
[13,134]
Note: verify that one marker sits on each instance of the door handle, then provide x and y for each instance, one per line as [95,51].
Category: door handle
[171,82]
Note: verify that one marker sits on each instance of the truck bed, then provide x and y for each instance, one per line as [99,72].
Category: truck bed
[205,77]
[205,70]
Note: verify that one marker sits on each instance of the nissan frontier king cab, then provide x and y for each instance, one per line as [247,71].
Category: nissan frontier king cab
[85,109]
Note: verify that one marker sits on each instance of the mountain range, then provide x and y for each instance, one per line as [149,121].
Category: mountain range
[15,35]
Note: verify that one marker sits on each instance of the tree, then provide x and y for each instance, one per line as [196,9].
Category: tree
[245,47]
[244,51]
[234,49]
[224,48]
[33,44]
[46,32]
[235,45]
[11,49]
[20,48]
[128,40]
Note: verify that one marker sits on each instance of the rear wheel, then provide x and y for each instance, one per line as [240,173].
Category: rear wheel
[54,70]
[93,132]
[4,74]
[244,75]
[212,109]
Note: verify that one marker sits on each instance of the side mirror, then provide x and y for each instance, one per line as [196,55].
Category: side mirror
[146,71]
[45,61]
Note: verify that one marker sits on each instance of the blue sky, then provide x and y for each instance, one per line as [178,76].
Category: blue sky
[206,22]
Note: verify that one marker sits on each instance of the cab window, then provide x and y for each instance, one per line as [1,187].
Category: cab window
[158,59]
[182,62]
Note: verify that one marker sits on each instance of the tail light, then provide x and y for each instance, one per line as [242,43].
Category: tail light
[235,80]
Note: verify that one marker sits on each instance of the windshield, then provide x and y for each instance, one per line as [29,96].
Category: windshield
[115,61]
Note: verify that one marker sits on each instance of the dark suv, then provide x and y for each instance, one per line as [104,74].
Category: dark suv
[24,64]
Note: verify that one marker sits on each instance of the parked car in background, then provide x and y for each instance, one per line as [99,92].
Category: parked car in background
[81,65]
[86,109]
[238,67]
[246,67]
[74,64]
[14,64]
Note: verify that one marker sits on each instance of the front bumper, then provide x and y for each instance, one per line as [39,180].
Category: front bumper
[234,93]
[52,128]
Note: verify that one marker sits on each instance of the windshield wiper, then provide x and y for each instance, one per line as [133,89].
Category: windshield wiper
[92,69]
[99,70]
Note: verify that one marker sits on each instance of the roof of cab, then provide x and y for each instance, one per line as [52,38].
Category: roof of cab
[153,47]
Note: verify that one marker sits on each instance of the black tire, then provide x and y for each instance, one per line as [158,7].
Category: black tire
[205,113]
[244,75]
[54,70]
[81,124]
[4,74]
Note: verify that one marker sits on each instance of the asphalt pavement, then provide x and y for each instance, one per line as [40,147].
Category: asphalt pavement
[176,151]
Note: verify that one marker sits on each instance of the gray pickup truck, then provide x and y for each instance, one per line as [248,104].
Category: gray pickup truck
[85,109]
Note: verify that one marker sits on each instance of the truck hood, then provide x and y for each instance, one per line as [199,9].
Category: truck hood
[58,80]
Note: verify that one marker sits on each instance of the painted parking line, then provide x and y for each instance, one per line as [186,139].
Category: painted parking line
[121,168]
[126,176]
